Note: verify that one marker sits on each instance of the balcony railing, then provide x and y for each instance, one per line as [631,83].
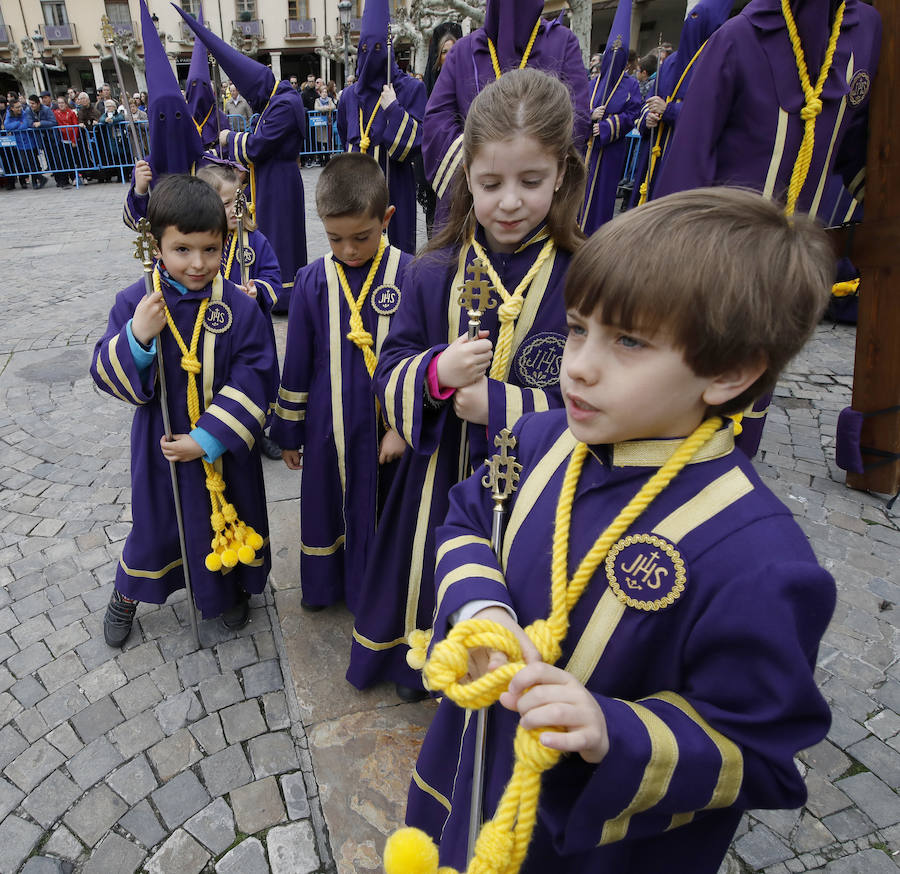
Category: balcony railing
[253,27]
[127,27]
[355,26]
[6,35]
[299,28]
[60,34]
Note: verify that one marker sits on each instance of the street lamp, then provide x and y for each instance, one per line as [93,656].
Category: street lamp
[344,8]
[38,39]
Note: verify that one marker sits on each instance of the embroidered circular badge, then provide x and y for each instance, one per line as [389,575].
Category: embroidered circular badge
[385,299]
[218,317]
[538,362]
[249,255]
[645,571]
[859,87]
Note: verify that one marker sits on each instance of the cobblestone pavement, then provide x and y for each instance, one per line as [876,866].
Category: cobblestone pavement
[166,760]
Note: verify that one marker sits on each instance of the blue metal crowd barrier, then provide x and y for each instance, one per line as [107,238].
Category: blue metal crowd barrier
[105,150]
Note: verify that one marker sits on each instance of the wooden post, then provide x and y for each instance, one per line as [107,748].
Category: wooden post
[876,252]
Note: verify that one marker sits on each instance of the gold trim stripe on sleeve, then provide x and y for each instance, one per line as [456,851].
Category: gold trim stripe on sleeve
[455,146]
[118,369]
[101,371]
[293,397]
[457,543]
[399,134]
[239,397]
[289,415]
[465,572]
[409,395]
[390,392]
[233,423]
[513,397]
[411,141]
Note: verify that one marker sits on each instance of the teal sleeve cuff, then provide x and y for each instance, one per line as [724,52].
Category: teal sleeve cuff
[143,358]
[211,446]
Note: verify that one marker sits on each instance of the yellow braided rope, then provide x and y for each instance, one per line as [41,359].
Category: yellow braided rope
[813,104]
[358,335]
[226,270]
[656,151]
[509,310]
[503,842]
[845,288]
[364,140]
[232,541]
[522,64]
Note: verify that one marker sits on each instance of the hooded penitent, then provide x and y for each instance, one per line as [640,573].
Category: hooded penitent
[175,145]
[615,55]
[200,95]
[253,80]
[509,24]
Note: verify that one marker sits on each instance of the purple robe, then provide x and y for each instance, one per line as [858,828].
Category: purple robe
[262,267]
[706,700]
[395,137]
[235,393]
[468,68]
[270,152]
[607,150]
[326,407]
[397,594]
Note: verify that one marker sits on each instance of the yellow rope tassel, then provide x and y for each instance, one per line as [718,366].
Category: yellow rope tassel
[232,540]
[229,260]
[364,139]
[523,63]
[503,842]
[358,335]
[846,288]
[509,310]
[813,103]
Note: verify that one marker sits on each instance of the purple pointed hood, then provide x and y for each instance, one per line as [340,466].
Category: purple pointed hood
[252,79]
[175,145]
[201,96]
[615,55]
[509,24]
[372,57]
[699,25]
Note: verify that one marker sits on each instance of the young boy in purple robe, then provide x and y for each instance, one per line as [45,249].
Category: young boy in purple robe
[514,35]
[221,374]
[507,244]
[680,683]
[614,105]
[326,411]
[381,115]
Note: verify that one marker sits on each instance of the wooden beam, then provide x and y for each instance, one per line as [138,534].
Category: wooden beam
[876,252]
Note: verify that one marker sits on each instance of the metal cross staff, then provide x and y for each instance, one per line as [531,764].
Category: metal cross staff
[502,478]
[109,37]
[390,53]
[475,295]
[144,248]
[216,86]
[240,203]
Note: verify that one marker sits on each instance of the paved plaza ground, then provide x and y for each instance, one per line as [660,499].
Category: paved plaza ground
[253,754]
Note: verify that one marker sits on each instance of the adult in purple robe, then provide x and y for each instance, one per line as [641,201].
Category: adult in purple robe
[397,596]
[392,135]
[508,26]
[201,96]
[269,152]
[327,408]
[237,382]
[706,699]
[742,125]
[672,82]
[614,104]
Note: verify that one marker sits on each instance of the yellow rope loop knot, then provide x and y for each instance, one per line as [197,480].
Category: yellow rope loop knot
[418,641]
[190,363]
[656,151]
[546,640]
[812,109]
[531,752]
[643,189]
[215,483]
[364,142]
[509,310]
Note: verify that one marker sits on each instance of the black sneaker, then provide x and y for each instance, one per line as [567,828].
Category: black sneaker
[409,694]
[312,608]
[119,619]
[269,447]
[237,617]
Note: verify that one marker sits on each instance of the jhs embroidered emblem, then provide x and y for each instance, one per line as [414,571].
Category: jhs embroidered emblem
[385,299]
[249,255]
[218,317]
[645,572]
[859,87]
[537,364]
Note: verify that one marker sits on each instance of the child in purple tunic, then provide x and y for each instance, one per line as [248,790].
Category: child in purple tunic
[513,213]
[220,372]
[681,684]
[326,410]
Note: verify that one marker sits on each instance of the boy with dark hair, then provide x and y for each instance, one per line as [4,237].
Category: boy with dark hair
[220,373]
[339,317]
[685,605]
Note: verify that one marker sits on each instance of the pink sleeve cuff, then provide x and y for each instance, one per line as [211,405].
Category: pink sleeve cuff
[434,387]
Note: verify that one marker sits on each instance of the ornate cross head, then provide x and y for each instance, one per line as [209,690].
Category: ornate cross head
[502,477]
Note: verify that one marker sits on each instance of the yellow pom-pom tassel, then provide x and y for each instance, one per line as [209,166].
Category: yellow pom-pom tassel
[229,558]
[418,641]
[213,562]
[410,851]
[254,539]
[246,554]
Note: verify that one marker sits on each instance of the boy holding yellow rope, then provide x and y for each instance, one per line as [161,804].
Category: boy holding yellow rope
[221,374]
[655,610]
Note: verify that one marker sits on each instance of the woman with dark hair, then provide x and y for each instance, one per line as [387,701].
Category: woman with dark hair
[443,39]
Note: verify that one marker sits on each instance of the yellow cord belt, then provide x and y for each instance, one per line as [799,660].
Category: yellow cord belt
[364,140]
[511,306]
[232,541]
[493,50]
[358,335]
[503,842]
[229,260]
